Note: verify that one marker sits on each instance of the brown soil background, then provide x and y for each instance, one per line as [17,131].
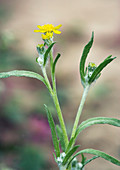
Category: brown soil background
[79,18]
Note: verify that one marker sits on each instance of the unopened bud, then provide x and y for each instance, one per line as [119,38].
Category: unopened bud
[40,48]
[40,60]
[91,67]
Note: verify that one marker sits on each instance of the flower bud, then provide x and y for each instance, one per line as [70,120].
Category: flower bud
[40,48]
[91,68]
[40,60]
[60,160]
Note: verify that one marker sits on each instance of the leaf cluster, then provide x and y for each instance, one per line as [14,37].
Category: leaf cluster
[85,79]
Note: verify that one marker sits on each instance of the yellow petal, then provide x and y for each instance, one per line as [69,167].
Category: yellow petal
[40,27]
[57,27]
[57,32]
[36,30]
[43,36]
[42,30]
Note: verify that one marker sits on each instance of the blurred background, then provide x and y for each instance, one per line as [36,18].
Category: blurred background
[25,139]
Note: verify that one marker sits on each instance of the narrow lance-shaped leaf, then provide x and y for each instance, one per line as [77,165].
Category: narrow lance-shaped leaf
[83,158]
[84,56]
[69,154]
[47,53]
[89,160]
[70,145]
[54,64]
[100,68]
[108,57]
[54,157]
[53,132]
[97,153]
[96,120]
[60,136]
[22,73]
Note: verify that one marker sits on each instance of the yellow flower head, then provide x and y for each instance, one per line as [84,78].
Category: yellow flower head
[48,28]
[47,35]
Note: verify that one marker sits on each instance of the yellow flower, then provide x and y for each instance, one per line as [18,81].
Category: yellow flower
[92,64]
[48,28]
[47,35]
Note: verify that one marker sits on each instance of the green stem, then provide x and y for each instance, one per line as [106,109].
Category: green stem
[56,102]
[62,168]
[60,117]
[55,98]
[86,89]
[47,80]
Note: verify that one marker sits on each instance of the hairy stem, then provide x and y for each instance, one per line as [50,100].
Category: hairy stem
[86,89]
[47,80]
[56,102]
[60,117]
[57,105]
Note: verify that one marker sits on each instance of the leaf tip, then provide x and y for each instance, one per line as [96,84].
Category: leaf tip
[92,34]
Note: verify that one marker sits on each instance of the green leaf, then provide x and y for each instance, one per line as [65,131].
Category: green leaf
[108,57]
[83,158]
[89,160]
[84,56]
[54,157]
[97,153]
[53,132]
[22,73]
[60,136]
[54,64]
[69,154]
[47,53]
[100,68]
[71,142]
[96,120]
